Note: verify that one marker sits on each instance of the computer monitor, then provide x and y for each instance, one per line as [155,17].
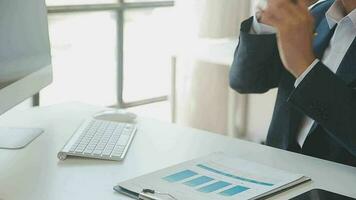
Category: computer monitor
[25,61]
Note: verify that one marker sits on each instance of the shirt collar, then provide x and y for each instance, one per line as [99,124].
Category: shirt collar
[335,14]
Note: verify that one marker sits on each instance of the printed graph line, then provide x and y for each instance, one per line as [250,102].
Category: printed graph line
[233,176]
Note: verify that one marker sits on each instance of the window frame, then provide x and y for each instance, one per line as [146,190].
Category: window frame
[120,7]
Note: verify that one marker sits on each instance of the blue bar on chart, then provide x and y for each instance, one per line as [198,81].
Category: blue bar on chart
[213,187]
[198,181]
[180,176]
[235,190]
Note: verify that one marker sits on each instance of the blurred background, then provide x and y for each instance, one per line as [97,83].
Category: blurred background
[167,60]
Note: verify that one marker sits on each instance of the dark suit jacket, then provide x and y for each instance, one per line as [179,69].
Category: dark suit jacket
[328,98]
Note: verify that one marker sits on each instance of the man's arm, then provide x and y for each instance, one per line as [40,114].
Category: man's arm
[321,94]
[328,100]
[257,66]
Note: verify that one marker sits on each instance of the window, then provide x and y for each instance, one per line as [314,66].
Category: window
[104,51]
[84,58]
[147,57]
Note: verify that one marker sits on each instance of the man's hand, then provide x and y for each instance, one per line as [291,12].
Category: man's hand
[295,32]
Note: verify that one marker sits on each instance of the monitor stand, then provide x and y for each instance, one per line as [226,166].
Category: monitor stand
[17,138]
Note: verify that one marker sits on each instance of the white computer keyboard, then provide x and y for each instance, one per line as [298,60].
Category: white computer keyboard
[100,139]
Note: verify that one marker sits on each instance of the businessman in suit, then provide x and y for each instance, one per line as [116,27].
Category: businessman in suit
[310,56]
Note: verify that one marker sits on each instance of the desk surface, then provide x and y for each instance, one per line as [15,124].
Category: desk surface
[35,173]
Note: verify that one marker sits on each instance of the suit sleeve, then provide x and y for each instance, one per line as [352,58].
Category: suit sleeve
[257,67]
[331,102]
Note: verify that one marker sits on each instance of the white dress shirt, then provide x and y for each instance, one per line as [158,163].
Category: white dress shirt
[341,41]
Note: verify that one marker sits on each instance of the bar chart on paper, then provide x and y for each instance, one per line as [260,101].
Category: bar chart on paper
[206,179]
[215,177]
[203,180]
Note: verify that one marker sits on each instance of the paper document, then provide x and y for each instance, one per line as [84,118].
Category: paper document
[215,177]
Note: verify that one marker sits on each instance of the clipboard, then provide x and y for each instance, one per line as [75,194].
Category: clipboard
[214,177]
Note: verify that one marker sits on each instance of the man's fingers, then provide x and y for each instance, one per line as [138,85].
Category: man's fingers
[284,10]
[269,19]
[303,4]
[287,12]
[281,12]
[279,3]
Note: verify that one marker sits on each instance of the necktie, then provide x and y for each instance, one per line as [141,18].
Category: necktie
[321,42]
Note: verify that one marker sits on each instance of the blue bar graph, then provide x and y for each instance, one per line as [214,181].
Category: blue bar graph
[214,186]
[208,184]
[180,176]
[234,190]
[198,181]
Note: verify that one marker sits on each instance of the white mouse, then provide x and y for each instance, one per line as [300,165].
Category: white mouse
[116,116]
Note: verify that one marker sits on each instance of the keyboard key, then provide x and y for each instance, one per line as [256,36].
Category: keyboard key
[106,152]
[97,152]
[88,151]
[117,153]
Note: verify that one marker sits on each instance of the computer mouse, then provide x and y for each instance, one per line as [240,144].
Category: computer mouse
[116,116]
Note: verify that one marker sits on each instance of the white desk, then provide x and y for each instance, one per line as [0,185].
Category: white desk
[35,173]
